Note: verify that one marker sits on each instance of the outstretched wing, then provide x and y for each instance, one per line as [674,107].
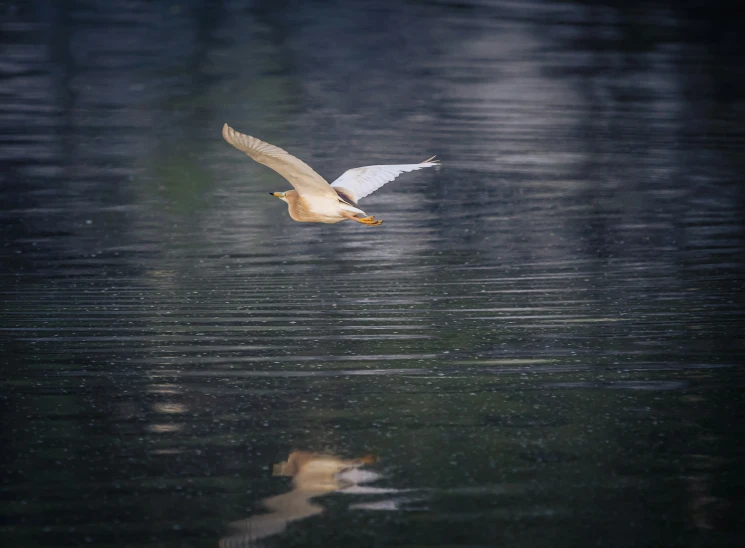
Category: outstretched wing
[361,181]
[300,175]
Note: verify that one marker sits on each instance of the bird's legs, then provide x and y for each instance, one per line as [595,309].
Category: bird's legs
[369,221]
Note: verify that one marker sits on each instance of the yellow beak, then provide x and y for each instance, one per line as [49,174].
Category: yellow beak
[278,194]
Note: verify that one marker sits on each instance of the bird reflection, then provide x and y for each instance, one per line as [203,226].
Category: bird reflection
[313,475]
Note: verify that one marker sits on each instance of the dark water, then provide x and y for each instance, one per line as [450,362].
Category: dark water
[541,346]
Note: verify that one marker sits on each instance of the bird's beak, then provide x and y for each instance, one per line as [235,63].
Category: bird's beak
[277,194]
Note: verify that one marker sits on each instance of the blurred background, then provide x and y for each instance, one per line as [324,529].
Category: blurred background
[541,345]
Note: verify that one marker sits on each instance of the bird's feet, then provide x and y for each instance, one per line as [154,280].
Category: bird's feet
[368,459]
[369,221]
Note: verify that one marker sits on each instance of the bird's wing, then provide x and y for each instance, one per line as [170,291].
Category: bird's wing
[300,175]
[361,181]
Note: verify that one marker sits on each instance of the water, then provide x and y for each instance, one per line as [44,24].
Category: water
[541,345]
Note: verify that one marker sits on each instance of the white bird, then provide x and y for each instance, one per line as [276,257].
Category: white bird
[314,200]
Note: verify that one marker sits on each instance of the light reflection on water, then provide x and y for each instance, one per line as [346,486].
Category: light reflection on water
[542,344]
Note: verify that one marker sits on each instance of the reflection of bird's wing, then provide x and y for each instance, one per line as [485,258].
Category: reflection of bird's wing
[300,175]
[361,181]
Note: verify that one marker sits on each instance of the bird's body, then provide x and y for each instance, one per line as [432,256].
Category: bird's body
[313,475]
[313,199]
[318,211]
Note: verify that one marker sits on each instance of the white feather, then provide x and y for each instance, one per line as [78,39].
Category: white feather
[362,181]
[355,210]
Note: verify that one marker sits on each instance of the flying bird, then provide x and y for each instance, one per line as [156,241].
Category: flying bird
[313,200]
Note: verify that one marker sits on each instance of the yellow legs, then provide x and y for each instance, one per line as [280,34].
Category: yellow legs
[369,221]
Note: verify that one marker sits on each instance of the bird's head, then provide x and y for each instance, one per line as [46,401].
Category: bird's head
[281,195]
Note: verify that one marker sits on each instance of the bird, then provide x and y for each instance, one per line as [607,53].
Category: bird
[313,475]
[313,199]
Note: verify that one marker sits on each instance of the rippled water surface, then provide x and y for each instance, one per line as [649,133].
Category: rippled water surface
[541,346]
